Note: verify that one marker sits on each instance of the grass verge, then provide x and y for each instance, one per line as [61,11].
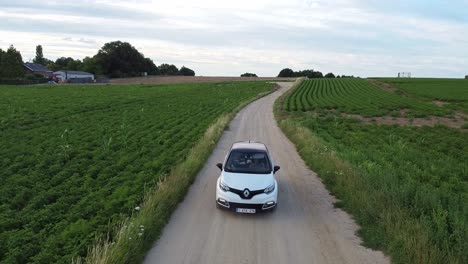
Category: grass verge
[129,241]
[384,205]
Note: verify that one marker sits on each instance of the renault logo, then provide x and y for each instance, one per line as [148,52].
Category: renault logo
[246,193]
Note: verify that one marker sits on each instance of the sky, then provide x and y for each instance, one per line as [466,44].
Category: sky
[366,38]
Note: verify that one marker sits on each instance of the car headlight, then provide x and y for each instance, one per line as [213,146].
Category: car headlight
[270,189]
[223,186]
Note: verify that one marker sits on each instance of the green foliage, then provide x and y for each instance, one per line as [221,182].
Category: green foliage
[186,71]
[91,65]
[286,72]
[407,187]
[304,73]
[168,69]
[120,59]
[39,59]
[248,74]
[151,68]
[76,160]
[354,96]
[453,91]
[309,74]
[11,64]
[330,75]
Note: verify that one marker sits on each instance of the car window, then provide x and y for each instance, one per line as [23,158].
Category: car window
[248,161]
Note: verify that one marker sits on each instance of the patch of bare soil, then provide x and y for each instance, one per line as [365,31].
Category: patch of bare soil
[440,103]
[191,79]
[456,122]
[385,86]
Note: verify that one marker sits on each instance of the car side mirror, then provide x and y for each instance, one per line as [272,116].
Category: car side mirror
[220,166]
[275,169]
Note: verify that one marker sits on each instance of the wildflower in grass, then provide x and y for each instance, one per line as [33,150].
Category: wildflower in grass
[137,208]
[140,234]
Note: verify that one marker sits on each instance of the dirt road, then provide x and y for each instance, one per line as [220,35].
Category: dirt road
[305,228]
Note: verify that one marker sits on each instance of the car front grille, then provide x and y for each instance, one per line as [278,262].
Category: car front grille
[242,195]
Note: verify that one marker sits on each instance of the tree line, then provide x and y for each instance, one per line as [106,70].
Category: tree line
[115,59]
[287,72]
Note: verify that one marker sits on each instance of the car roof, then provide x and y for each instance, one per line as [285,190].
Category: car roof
[249,145]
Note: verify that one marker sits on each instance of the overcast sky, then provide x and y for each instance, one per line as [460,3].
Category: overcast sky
[227,38]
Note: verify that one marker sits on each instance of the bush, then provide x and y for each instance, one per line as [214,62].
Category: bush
[286,72]
[248,74]
[168,69]
[186,71]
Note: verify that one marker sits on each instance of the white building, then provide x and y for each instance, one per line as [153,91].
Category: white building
[78,76]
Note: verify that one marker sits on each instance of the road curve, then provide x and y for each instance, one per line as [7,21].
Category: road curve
[305,228]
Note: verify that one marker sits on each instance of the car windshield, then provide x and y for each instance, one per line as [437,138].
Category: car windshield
[248,161]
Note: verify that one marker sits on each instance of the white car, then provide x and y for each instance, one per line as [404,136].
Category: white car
[247,182]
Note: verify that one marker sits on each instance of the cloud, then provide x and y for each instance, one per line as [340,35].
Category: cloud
[360,37]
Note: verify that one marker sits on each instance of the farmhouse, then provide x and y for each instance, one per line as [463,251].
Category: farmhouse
[74,76]
[34,68]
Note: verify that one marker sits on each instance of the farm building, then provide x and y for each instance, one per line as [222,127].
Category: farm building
[74,76]
[34,68]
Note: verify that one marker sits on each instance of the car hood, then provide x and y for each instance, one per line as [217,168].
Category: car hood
[242,181]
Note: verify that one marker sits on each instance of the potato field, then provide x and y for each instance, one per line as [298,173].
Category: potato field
[355,96]
[75,160]
[406,186]
[453,92]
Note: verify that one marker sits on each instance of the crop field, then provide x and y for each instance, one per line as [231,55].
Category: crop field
[452,91]
[75,160]
[406,186]
[355,96]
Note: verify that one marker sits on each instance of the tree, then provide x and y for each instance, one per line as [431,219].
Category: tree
[39,59]
[120,59]
[11,64]
[248,74]
[150,67]
[90,65]
[63,63]
[286,73]
[330,75]
[308,74]
[74,65]
[166,69]
[2,53]
[186,71]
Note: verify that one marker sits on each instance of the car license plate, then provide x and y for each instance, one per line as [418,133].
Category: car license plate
[245,210]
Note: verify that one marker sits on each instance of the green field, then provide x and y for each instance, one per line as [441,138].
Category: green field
[355,96]
[406,186]
[76,160]
[453,91]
